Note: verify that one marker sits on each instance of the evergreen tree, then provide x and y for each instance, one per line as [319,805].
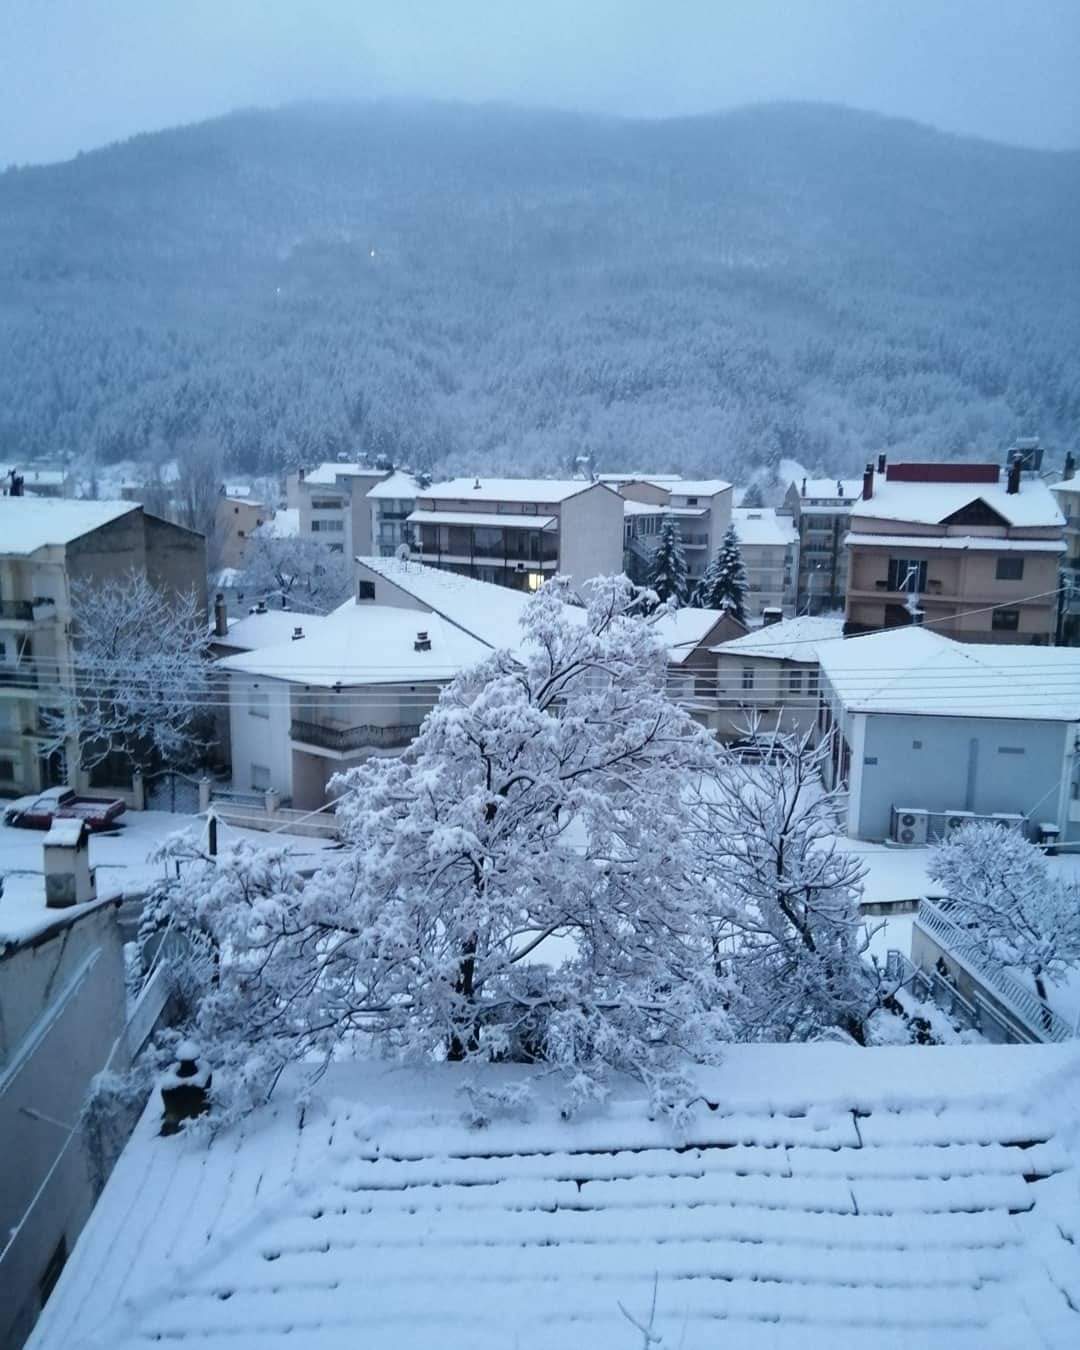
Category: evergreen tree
[668,575]
[724,584]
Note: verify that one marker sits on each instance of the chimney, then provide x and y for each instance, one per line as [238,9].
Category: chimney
[1012,485]
[1070,466]
[839,488]
[297,634]
[868,483]
[260,607]
[804,487]
[476,485]
[300,475]
[881,462]
[221,618]
[15,487]
[422,643]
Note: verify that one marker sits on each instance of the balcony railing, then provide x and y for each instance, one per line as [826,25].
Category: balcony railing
[1038,1017]
[344,739]
[19,677]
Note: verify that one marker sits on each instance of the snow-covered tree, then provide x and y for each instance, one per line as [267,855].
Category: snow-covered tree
[668,573]
[787,921]
[140,674]
[520,884]
[724,583]
[1014,911]
[302,572]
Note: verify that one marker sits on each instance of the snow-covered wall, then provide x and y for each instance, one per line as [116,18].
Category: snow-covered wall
[259,719]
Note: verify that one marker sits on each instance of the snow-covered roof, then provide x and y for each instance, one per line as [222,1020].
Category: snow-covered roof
[36,477]
[820,1196]
[65,831]
[795,639]
[685,629]
[364,644]
[30,523]
[283,524]
[1032,507]
[267,629]
[328,472]
[506,489]
[666,480]
[399,485]
[959,542]
[826,487]
[697,487]
[504,520]
[632,508]
[489,613]
[915,670]
[756,525]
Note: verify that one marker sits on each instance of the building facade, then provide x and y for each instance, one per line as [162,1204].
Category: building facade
[820,510]
[47,546]
[701,509]
[392,501]
[519,532]
[768,679]
[965,547]
[333,505]
[769,544]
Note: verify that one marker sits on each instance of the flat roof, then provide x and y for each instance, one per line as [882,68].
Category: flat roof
[761,525]
[506,489]
[507,520]
[31,523]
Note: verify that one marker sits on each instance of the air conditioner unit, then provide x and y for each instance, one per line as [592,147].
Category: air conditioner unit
[1009,820]
[910,825]
[956,820]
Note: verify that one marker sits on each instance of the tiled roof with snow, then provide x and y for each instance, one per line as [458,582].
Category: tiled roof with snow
[685,629]
[700,487]
[363,644]
[267,629]
[520,490]
[795,639]
[756,525]
[30,523]
[821,1197]
[915,670]
[1034,506]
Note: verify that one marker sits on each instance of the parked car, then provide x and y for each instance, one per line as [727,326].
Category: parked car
[60,803]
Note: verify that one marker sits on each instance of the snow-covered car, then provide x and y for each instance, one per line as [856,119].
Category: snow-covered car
[38,812]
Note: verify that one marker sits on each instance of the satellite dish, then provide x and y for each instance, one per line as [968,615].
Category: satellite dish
[403,552]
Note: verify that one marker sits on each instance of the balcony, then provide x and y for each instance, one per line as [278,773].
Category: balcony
[27,611]
[342,740]
[18,677]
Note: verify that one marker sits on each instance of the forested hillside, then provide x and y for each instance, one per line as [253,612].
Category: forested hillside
[466,288]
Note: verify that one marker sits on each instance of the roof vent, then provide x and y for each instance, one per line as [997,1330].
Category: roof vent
[422,643]
[476,485]
[260,607]
[297,633]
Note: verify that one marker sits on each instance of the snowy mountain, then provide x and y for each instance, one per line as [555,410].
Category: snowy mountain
[479,288]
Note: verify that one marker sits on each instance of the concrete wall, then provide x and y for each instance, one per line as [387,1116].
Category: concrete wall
[256,739]
[237,518]
[61,1009]
[591,534]
[954,764]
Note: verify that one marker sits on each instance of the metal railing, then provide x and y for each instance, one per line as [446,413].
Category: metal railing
[342,739]
[1038,1017]
[22,610]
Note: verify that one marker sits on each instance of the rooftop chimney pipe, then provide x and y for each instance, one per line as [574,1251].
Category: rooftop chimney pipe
[422,643]
[221,617]
[868,482]
[1070,466]
[297,634]
[804,487]
[1013,483]
[881,462]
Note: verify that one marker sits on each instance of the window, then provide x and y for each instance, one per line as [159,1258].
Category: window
[907,574]
[259,705]
[325,504]
[260,777]
[327,526]
[812,681]
[365,590]
[748,677]
[7,771]
[1010,568]
[794,681]
[1005,620]
[691,501]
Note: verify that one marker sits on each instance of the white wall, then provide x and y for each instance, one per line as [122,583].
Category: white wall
[258,739]
[591,534]
[61,1009]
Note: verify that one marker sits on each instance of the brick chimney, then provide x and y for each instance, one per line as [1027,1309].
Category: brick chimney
[221,617]
[868,482]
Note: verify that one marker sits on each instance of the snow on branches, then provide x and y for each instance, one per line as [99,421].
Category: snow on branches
[141,673]
[297,570]
[668,573]
[1013,910]
[724,583]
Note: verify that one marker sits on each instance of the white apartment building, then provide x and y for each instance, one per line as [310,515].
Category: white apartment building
[820,509]
[700,507]
[45,545]
[518,532]
[392,502]
[769,545]
[333,505]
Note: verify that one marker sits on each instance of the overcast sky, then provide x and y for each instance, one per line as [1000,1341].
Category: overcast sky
[75,74]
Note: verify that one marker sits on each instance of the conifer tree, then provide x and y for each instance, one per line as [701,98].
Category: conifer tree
[724,584]
[668,575]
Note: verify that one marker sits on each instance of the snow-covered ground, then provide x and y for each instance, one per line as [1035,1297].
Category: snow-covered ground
[120,857]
